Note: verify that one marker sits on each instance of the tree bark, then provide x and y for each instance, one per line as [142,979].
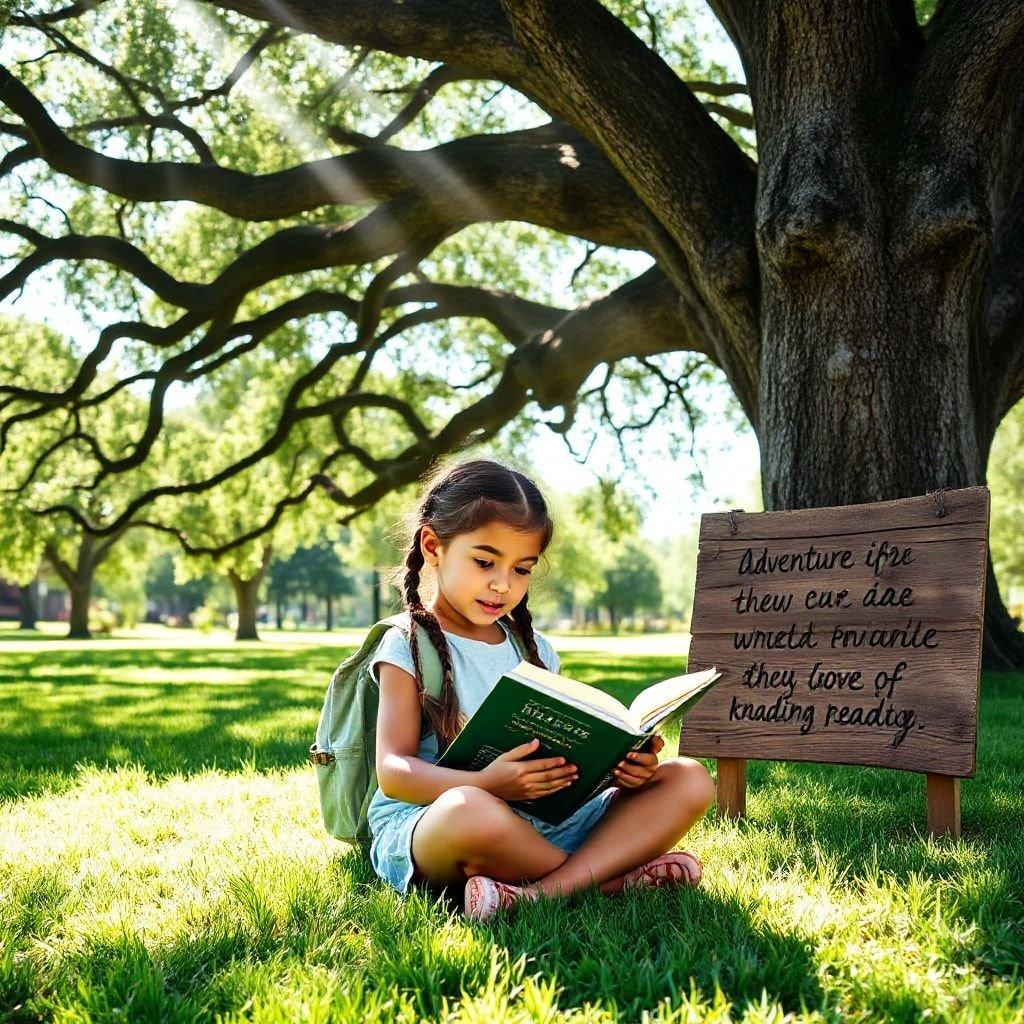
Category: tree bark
[330,613]
[874,258]
[246,601]
[247,596]
[29,605]
[80,590]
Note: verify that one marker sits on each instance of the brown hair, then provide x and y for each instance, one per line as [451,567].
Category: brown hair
[459,499]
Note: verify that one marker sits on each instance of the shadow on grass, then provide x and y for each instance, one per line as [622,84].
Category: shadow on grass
[624,954]
[844,805]
[634,951]
[61,709]
[258,707]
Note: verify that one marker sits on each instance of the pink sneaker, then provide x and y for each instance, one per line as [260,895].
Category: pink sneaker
[679,867]
[486,896]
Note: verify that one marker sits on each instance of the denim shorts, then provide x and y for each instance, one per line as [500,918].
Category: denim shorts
[392,822]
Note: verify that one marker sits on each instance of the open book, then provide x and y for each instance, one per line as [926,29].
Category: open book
[587,726]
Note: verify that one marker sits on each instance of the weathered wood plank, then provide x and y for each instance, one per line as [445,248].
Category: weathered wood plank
[847,520]
[845,635]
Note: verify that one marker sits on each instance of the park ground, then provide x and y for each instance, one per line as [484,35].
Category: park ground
[162,859]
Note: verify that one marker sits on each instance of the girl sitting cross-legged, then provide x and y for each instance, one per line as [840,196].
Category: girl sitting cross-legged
[482,529]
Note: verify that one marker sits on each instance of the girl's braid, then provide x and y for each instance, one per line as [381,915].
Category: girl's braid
[443,712]
[523,619]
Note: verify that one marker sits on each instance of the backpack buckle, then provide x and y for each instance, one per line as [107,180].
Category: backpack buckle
[319,756]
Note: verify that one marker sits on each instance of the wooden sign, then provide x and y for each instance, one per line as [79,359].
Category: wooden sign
[847,635]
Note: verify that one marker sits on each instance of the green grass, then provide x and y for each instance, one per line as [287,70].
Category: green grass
[162,859]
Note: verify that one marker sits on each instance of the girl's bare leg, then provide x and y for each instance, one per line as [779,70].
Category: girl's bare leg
[638,826]
[466,831]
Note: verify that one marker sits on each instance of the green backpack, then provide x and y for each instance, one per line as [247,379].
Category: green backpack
[345,749]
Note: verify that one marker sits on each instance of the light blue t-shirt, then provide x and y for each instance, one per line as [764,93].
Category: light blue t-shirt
[476,667]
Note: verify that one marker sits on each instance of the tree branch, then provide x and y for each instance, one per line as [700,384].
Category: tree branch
[642,317]
[487,177]
[971,80]
[516,318]
[74,10]
[106,248]
[626,98]
[63,570]
[421,96]
[472,34]
[717,88]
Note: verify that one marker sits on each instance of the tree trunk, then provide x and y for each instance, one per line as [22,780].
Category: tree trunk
[614,620]
[80,590]
[330,614]
[874,259]
[246,595]
[278,612]
[29,605]
[868,394]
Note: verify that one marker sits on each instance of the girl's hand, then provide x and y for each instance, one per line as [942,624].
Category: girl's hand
[512,778]
[637,769]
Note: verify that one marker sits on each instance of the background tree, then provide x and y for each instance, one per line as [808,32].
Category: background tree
[172,599]
[589,527]
[28,601]
[1007,480]
[631,583]
[676,555]
[313,569]
[859,286]
[280,587]
[210,520]
[675,559]
[73,540]
[375,539]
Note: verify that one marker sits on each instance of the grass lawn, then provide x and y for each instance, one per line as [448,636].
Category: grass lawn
[162,859]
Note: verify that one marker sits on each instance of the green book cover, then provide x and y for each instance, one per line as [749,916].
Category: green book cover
[586,726]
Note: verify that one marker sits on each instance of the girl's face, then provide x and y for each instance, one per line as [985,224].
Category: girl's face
[481,575]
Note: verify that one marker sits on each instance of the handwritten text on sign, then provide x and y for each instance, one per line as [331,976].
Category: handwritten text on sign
[848,635]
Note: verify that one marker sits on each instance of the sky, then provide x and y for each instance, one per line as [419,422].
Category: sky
[729,468]
[727,455]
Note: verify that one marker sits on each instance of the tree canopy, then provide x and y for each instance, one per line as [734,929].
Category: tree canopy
[218,240]
[839,235]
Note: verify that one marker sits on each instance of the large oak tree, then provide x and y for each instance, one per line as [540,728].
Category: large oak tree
[860,286]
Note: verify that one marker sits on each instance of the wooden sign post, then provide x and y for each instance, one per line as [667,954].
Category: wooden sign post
[847,635]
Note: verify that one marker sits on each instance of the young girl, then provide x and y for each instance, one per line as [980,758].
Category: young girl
[482,529]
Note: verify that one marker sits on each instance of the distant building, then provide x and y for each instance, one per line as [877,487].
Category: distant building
[10,600]
[53,603]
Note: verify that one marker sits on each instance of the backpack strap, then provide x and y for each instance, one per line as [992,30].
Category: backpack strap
[430,660]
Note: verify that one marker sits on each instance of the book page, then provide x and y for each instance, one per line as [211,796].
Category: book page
[586,695]
[668,693]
